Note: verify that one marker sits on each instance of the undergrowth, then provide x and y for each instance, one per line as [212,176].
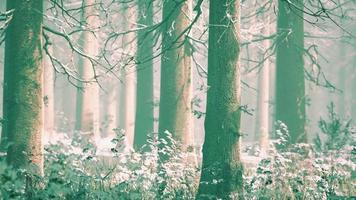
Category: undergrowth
[76,170]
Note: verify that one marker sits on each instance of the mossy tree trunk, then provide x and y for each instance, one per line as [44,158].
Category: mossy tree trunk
[23,119]
[290,89]
[175,91]
[144,94]
[221,175]
[2,53]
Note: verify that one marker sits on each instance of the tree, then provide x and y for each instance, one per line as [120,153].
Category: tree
[2,138]
[290,89]
[262,121]
[23,97]
[342,78]
[144,93]
[127,86]
[353,81]
[65,109]
[221,175]
[353,100]
[48,97]
[108,100]
[88,92]
[175,91]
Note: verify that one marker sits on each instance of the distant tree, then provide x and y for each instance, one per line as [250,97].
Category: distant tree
[353,100]
[262,121]
[23,97]
[353,81]
[290,89]
[221,175]
[342,80]
[342,70]
[108,103]
[87,113]
[127,93]
[144,94]
[175,92]
[48,97]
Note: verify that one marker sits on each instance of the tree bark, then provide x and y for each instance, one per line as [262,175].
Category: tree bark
[48,99]
[342,79]
[222,170]
[262,122]
[290,89]
[23,97]
[353,81]
[128,77]
[2,54]
[144,94]
[65,109]
[108,112]
[175,91]
[87,117]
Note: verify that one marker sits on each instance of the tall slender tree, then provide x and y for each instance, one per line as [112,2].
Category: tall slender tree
[65,109]
[353,81]
[262,121]
[87,113]
[2,9]
[342,78]
[127,83]
[144,93]
[290,89]
[221,175]
[108,114]
[48,97]
[23,117]
[175,91]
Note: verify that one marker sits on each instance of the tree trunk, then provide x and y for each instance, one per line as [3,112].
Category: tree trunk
[65,109]
[222,170]
[128,78]
[176,88]
[144,93]
[121,109]
[2,9]
[108,102]
[342,78]
[48,99]
[353,81]
[262,127]
[23,117]
[290,89]
[87,117]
